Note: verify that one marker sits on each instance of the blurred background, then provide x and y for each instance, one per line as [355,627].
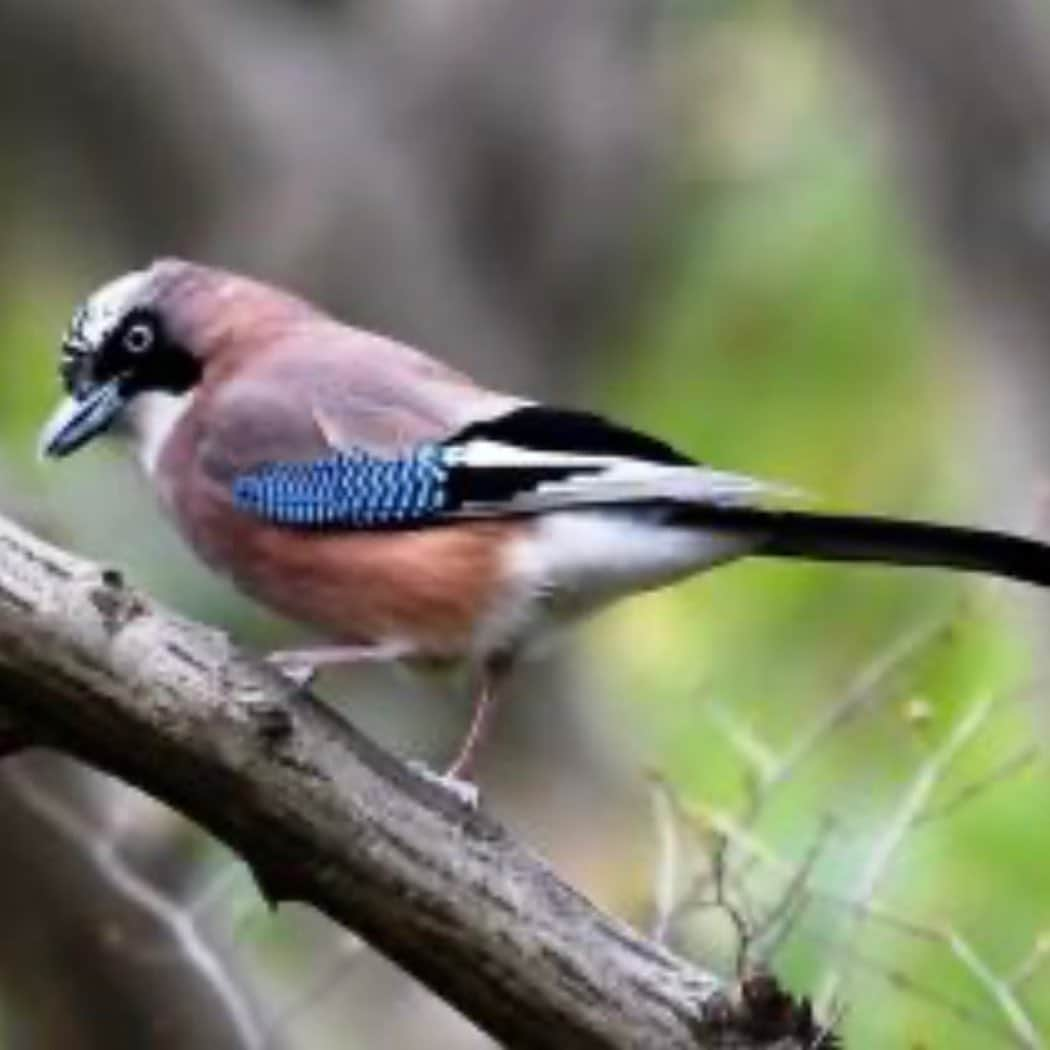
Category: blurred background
[809,241]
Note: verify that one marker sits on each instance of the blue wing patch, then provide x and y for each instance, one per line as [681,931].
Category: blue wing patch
[352,489]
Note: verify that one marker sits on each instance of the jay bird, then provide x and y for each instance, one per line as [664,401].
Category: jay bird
[365,489]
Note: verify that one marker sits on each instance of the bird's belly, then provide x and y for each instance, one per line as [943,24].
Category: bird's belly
[425,589]
[567,565]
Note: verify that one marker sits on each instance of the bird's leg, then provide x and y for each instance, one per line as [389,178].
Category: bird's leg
[301,665]
[458,777]
[486,702]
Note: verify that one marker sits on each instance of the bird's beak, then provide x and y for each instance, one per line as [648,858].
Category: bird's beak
[79,419]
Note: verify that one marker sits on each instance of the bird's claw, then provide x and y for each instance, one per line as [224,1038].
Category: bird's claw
[465,792]
[291,665]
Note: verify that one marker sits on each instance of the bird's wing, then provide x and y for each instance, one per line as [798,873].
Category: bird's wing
[524,459]
[537,458]
[328,390]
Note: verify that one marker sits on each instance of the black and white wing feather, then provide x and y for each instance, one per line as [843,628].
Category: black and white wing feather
[539,459]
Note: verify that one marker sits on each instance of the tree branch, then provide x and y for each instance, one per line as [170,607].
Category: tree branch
[322,815]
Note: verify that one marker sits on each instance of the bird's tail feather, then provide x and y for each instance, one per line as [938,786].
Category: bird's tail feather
[861,538]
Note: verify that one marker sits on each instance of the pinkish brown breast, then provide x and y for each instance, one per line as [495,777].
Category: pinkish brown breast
[429,587]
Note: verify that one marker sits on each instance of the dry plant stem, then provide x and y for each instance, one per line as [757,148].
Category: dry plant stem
[888,843]
[864,691]
[323,816]
[1032,964]
[669,861]
[1026,757]
[1000,990]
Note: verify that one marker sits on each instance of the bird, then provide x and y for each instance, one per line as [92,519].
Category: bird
[365,489]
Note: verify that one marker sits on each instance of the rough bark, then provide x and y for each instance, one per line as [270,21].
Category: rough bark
[92,668]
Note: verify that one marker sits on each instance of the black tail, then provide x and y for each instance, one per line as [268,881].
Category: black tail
[843,537]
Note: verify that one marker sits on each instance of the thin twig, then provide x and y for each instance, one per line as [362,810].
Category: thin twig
[904,982]
[1032,964]
[862,693]
[781,918]
[668,859]
[1024,758]
[756,753]
[1000,991]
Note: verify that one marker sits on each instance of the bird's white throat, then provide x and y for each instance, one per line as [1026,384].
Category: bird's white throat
[153,417]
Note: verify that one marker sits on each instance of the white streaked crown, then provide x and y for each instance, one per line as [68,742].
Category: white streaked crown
[97,318]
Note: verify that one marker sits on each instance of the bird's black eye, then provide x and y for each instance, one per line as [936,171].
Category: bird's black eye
[139,337]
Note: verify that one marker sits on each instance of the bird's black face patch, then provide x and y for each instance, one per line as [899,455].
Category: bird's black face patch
[137,353]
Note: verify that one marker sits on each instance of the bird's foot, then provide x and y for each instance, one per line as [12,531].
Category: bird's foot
[293,666]
[464,791]
[300,666]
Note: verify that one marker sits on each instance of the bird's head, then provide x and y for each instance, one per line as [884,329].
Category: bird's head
[148,339]
[120,344]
